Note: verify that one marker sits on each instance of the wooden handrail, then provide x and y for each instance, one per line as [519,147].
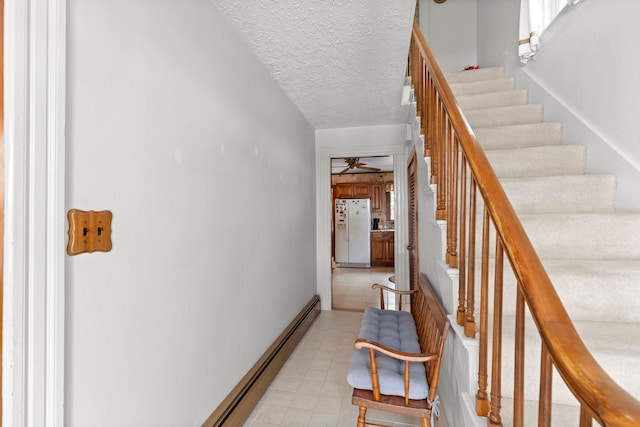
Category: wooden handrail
[452,147]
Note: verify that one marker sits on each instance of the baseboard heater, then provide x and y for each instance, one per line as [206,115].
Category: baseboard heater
[238,405]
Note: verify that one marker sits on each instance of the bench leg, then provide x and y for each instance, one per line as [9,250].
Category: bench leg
[361,416]
[425,422]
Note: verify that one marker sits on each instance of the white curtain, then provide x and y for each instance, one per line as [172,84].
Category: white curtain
[535,16]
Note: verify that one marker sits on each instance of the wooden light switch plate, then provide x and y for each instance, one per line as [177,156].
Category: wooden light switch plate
[89,231]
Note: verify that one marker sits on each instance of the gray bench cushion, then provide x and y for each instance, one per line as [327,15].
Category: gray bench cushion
[397,330]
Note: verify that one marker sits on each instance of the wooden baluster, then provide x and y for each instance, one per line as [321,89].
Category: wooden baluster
[546,384]
[431,129]
[482,402]
[462,263]
[423,98]
[440,142]
[423,95]
[586,420]
[453,197]
[433,136]
[495,419]
[448,186]
[420,91]
[518,402]
[470,320]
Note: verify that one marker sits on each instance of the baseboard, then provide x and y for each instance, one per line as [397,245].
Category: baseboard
[238,405]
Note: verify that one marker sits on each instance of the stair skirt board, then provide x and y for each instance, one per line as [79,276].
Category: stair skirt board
[239,404]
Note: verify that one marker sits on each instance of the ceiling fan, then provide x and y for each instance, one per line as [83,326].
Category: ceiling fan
[354,163]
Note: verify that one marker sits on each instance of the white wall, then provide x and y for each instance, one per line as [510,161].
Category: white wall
[209,171]
[585,74]
[450,30]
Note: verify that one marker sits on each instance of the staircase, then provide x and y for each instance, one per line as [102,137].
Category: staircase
[590,249]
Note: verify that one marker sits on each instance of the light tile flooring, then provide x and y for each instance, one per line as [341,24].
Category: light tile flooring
[351,287]
[311,389]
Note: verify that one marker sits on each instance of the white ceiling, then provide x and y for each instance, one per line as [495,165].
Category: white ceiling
[342,62]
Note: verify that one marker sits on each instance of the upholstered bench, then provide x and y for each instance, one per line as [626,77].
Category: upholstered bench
[396,361]
[395,330]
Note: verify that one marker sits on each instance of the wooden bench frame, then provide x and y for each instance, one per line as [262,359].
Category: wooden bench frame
[432,326]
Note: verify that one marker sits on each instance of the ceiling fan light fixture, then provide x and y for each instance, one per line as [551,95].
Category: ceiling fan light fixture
[354,163]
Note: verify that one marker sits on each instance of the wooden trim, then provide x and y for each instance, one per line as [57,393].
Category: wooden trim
[239,404]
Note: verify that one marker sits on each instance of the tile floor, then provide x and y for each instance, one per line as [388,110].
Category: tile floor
[311,389]
[351,287]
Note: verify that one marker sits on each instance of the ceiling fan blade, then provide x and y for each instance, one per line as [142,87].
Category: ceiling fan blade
[369,168]
[345,170]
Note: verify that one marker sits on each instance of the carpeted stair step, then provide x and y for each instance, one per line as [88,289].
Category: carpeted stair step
[466,76]
[580,236]
[557,194]
[483,86]
[580,285]
[597,290]
[519,136]
[493,100]
[586,236]
[613,345]
[553,160]
[505,116]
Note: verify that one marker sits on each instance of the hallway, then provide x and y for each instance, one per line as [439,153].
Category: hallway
[311,388]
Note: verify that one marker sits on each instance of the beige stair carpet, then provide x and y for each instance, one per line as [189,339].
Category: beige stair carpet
[590,251]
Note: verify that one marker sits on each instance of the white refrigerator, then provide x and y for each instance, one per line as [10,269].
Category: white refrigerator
[353,232]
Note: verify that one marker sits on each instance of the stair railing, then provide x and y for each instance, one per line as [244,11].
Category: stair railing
[467,185]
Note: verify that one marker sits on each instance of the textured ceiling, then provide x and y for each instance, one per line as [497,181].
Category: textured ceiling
[342,62]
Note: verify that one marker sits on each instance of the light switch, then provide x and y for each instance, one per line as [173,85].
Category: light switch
[89,231]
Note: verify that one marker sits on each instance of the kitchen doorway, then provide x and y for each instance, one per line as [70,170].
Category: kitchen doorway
[367,182]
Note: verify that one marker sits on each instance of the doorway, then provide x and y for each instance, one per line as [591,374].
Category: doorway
[385,140]
[362,247]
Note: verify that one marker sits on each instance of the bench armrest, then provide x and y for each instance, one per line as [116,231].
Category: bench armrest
[394,291]
[400,355]
[407,357]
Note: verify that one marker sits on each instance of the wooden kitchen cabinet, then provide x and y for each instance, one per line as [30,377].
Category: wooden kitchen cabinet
[361,191]
[376,198]
[382,248]
[355,191]
[343,191]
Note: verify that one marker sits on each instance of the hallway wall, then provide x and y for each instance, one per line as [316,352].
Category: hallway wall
[450,29]
[208,167]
